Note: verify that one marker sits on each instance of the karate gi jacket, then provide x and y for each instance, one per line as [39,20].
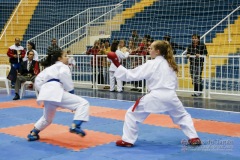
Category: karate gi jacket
[50,89]
[161,82]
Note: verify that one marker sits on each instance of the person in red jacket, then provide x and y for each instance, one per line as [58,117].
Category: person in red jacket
[16,54]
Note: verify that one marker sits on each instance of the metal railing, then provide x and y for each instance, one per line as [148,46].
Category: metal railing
[10,22]
[226,80]
[69,26]
[93,28]
[228,24]
[220,78]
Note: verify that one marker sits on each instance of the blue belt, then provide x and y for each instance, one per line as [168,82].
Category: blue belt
[56,80]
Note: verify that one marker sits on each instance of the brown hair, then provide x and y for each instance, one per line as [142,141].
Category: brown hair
[166,51]
[114,46]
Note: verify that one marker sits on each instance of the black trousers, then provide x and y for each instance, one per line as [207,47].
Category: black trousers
[196,75]
[98,75]
[12,76]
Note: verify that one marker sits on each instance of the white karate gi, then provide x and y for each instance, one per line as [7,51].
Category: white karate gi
[162,82]
[113,68]
[56,94]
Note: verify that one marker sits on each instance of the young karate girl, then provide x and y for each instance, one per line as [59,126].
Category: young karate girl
[161,79]
[55,88]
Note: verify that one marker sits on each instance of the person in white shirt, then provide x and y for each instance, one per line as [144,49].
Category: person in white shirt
[160,74]
[112,68]
[56,89]
[31,47]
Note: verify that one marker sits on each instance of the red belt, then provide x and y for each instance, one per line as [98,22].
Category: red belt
[136,104]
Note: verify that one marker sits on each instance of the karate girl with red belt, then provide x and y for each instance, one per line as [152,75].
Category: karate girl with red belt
[55,88]
[160,74]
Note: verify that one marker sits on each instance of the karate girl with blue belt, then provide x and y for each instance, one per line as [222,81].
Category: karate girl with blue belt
[56,89]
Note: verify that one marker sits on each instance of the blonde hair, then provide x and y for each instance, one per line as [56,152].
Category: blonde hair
[166,51]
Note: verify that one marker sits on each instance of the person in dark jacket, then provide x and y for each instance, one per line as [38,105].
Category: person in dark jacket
[196,63]
[53,47]
[28,70]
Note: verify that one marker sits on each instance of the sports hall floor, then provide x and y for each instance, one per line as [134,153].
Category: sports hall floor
[217,123]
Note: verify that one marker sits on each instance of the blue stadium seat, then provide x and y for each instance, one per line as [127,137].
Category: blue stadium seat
[6,9]
[223,84]
[54,10]
[227,71]
[181,19]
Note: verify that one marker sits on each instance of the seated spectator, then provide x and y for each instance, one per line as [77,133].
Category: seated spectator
[28,70]
[31,47]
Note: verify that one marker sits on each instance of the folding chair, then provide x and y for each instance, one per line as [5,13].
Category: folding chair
[4,69]
[23,88]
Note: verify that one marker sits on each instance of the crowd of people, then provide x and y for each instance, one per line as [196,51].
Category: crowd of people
[104,73]
[139,46]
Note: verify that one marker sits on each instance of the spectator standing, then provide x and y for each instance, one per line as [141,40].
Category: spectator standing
[95,50]
[105,64]
[53,47]
[16,54]
[196,63]
[140,58]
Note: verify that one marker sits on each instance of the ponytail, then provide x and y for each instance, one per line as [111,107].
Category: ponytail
[52,58]
[166,51]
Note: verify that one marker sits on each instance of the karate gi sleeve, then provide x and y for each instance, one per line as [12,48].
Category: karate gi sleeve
[65,77]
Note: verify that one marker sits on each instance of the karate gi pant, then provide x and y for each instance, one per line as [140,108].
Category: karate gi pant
[179,116]
[112,82]
[69,101]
